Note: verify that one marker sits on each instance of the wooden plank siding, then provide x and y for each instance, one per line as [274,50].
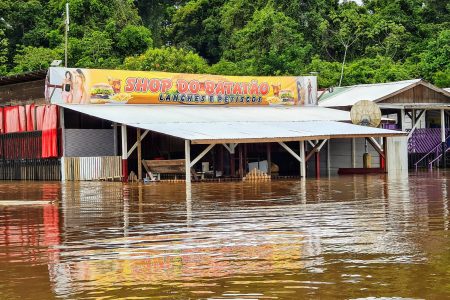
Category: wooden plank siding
[418,94]
[23,93]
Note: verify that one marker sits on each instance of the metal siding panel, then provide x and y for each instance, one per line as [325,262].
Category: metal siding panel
[89,142]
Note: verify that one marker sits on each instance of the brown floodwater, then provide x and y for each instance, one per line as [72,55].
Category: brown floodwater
[343,237]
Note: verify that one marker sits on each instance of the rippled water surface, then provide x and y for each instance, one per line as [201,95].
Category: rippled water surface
[344,237]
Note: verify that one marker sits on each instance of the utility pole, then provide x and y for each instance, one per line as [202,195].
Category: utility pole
[66,22]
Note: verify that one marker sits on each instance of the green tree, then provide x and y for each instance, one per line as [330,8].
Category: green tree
[156,15]
[167,59]
[344,31]
[133,40]
[374,70]
[269,44]
[96,47]
[328,72]
[35,58]
[436,57]
[196,26]
[3,53]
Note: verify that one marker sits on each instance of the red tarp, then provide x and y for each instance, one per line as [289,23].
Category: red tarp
[40,110]
[22,119]
[11,116]
[30,116]
[1,120]
[50,132]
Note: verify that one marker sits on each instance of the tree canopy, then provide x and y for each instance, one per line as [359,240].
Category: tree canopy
[377,41]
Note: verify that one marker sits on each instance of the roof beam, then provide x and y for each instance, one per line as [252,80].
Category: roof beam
[290,151]
[203,153]
[417,123]
[316,148]
[376,146]
[231,147]
[135,144]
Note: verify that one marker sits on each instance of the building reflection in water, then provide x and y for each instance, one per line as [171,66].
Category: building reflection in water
[109,234]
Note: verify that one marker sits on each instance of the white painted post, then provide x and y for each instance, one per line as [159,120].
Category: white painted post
[63,142]
[302,163]
[187,158]
[353,153]
[442,126]
[402,117]
[329,158]
[124,153]
[115,139]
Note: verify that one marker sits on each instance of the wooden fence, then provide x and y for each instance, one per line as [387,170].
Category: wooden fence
[92,168]
[30,169]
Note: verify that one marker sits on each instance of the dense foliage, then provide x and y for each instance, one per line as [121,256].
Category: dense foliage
[379,40]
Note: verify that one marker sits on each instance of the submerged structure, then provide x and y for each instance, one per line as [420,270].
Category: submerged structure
[166,125]
[415,106]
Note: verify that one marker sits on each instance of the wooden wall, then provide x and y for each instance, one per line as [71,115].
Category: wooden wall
[23,93]
[418,94]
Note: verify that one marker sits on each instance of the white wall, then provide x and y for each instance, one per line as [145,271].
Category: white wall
[341,154]
[397,154]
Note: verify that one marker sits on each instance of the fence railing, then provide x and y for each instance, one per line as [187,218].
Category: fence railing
[92,168]
[436,153]
[30,169]
[424,140]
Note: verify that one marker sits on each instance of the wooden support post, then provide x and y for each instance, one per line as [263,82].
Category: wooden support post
[139,153]
[385,151]
[269,159]
[187,158]
[241,163]
[221,162]
[317,155]
[124,153]
[232,165]
[245,159]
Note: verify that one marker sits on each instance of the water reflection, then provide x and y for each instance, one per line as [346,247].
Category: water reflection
[356,236]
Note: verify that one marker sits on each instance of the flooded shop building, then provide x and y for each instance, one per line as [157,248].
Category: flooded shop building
[110,124]
[413,106]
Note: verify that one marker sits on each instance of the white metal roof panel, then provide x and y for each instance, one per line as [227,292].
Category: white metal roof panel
[126,113]
[254,131]
[210,124]
[349,95]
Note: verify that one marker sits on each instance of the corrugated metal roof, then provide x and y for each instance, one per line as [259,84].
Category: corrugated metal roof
[202,133]
[209,124]
[23,77]
[349,95]
[139,113]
